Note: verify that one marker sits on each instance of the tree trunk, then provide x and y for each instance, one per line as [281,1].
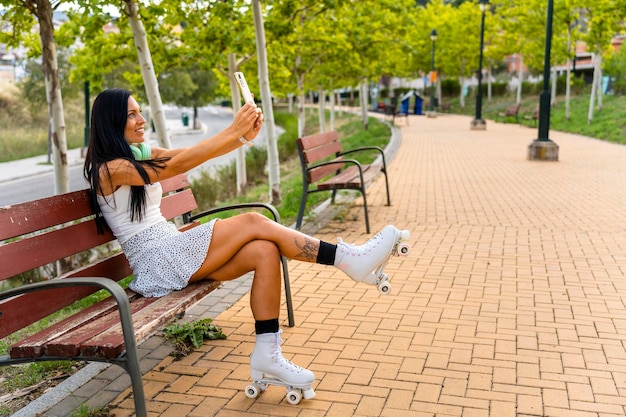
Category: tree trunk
[301,113]
[147,71]
[520,78]
[363,101]
[240,160]
[568,77]
[268,111]
[54,97]
[321,109]
[594,86]
[461,94]
[600,86]
[331,99]
[489,84]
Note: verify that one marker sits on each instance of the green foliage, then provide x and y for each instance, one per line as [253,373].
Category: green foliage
[191,335]
[86,411]
[15,378]
[450,87]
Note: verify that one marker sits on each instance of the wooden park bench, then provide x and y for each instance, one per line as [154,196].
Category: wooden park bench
[391,112]
[41,232]
[511,111]
[325,168]
[534,116]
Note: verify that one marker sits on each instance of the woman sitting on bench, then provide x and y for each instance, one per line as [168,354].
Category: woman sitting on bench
[124,174]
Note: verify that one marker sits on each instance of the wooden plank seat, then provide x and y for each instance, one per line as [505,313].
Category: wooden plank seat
[325,168]
[42,232]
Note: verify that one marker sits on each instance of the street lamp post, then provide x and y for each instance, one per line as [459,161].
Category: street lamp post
[543,148]
[478,123]
[433,38]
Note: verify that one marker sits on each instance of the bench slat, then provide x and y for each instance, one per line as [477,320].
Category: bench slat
[318,173]
[18,312]
[349,178]
[110,343]
[69,343]
[313,155]
[34,215]
[34,346]
[178,204]
[45,248]
[178,182]
[313,141]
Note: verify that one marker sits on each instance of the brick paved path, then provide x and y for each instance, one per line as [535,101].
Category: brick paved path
[511,302]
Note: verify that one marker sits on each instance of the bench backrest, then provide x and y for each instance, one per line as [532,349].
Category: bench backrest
[40,232]
[512,110]
[317,148]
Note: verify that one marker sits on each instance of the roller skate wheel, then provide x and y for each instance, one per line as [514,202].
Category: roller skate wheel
[294,397]
[405,235]
[252,390]
[403,249]
[308,393]
[384,286]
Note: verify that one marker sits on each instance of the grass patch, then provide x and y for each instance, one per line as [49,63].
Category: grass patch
[608,124]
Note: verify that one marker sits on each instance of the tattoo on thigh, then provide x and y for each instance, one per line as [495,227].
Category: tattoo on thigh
[309,250]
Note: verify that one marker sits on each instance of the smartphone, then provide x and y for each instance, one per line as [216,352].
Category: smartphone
[243,86]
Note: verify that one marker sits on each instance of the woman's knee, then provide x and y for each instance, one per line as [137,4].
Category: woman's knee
[254,220]
[263,251]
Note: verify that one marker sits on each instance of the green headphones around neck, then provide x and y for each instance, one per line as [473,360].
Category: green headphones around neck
[141,151]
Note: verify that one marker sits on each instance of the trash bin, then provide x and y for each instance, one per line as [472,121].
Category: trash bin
[185,118]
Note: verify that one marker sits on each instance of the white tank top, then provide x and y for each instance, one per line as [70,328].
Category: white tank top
[116,210]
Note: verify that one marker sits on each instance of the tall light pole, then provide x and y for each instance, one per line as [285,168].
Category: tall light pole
[478,123]
[543,148]
[433,38]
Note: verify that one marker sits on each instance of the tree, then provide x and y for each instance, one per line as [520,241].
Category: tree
[19,16]
[149,75]
[219,35]
[604,20]
[266,100]
[190,86]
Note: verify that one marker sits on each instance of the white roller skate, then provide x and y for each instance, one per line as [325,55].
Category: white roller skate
[269,367]
[365,263]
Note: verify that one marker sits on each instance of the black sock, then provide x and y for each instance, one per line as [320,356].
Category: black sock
[326,253]
[266,326]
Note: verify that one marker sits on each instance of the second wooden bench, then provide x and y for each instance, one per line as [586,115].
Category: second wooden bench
[326,168]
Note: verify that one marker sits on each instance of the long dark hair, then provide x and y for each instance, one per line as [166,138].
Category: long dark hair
[106,143]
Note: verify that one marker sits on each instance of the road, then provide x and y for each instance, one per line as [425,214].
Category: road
[214,119]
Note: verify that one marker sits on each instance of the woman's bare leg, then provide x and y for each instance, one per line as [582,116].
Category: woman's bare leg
[262,257]
[233,233]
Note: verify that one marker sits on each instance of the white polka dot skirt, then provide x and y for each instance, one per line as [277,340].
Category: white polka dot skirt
[164,259]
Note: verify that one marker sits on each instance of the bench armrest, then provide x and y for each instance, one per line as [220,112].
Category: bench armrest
[216,210]
[367,148]
[337,162]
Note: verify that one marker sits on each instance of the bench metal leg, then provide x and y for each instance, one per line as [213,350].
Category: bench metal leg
[301,209]
[387,187]
[287,292]
[367,219]
[131,362]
